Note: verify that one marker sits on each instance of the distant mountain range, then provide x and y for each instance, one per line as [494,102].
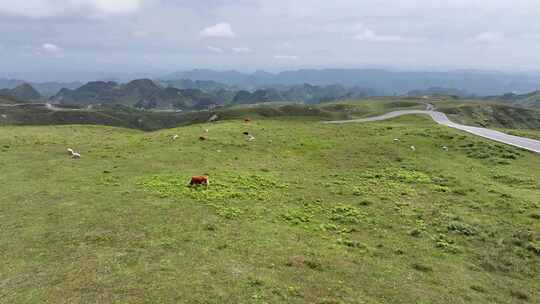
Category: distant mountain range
[200,89]
[304,93]
[382,81]
[147,94]
[44,88]
[143,93]
[23,92]
[438,91]
[205,85]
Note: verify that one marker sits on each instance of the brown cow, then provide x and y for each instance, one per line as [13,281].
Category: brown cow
[199,180]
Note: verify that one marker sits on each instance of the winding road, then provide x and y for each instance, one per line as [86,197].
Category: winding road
[442,119]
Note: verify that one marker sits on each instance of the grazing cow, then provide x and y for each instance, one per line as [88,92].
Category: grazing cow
[199,181]
[203,138]
[70,151]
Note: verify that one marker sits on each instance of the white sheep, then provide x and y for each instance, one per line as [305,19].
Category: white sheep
[74,154]
[413,148]
[206,131]
[445,148]
[175,137]
[250,138]
[396,140]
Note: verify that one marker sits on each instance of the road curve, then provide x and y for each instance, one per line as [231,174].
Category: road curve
[442,119]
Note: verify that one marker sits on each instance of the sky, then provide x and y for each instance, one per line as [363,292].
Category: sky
[43,40]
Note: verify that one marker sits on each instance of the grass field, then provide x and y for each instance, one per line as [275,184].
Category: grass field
[490,115]
[125,117]
[306,213]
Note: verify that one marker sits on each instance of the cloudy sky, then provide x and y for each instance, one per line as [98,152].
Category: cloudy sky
[82,39]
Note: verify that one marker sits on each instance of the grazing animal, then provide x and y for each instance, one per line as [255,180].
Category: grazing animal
[250,138]
[247,120]
[413,148]
[203,138]
[213,118]
[73,154]
[246,133]
[175,137]
[445,148]
[396,140]
[199,180]
[206,130]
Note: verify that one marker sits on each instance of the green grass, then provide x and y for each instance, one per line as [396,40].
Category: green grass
[306,213]
[121,116]
[490,115]
[374,106]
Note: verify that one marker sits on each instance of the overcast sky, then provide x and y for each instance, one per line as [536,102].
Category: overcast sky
[69,39]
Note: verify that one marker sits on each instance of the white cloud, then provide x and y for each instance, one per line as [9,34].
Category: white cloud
[368,35]
[139,34]
[114,7]
[220,30]
[50,48]
[487,37]
[242,50]
[53,8]
[215,49]
[286,57]
[284,46]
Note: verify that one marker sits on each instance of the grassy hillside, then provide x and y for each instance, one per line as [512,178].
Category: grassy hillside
[306,213]
[23,92]
[374,106]
[475,113]
[490,115]
[531,100]
[126,117]
[7,100]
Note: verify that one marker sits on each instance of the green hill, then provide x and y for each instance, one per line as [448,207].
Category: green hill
[305,213]
[531,100]
[142,93]
[467,112]
[127,117]
[438,91]
[491,115]
[8,100]
[23,92]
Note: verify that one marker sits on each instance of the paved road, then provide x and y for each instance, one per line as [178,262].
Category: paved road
[47,106]
[441,118]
